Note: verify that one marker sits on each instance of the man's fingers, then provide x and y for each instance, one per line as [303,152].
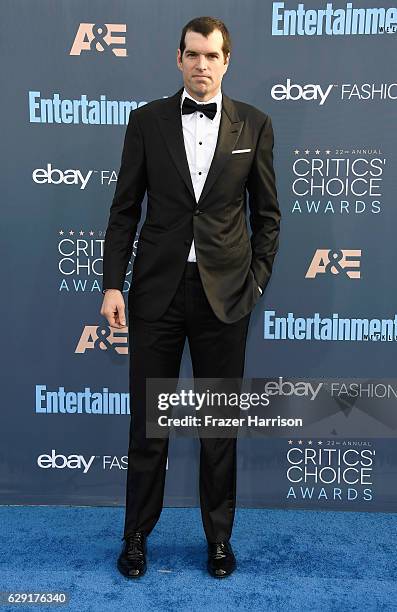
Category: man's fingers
[113,319]
[117,317]
[121,315]
[113,309]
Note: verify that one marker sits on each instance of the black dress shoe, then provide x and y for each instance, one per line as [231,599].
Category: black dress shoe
[221,560]
[132,560]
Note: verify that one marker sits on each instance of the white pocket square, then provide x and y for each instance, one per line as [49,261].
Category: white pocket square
[241,151]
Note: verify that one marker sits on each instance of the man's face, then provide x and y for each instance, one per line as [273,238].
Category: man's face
[202,64]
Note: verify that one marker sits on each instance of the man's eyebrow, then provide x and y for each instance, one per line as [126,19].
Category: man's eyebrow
[209,52]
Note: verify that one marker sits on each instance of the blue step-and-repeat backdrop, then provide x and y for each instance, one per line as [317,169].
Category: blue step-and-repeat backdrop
[326,74]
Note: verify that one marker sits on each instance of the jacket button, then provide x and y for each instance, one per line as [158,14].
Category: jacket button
[197,211]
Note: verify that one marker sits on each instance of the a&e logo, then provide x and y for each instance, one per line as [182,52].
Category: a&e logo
[339,261]
[103,38]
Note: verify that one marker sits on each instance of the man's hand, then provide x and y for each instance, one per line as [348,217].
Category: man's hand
[113,308]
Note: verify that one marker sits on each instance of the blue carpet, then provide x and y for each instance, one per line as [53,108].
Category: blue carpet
[287,560]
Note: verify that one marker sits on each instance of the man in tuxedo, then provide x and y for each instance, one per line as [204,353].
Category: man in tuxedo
[197,274]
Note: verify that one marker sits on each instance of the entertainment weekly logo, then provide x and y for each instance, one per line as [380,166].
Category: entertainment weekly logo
[83,110]
[329,472]
[101,402]
[329,21]
[331,328]
[80,260]
[329,181]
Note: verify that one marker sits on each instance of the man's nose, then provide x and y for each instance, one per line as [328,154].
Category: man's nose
[202,62]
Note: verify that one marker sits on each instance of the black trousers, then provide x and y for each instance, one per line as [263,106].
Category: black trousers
[217,350]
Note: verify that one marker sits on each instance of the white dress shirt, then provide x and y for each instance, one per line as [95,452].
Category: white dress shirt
[200,135]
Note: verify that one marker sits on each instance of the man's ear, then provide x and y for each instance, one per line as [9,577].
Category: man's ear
[179,59]
[227,60]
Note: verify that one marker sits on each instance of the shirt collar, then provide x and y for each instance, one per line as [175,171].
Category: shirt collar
[217,99]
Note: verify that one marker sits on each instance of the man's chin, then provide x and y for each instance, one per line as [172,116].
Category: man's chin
[200,89]
[200,85]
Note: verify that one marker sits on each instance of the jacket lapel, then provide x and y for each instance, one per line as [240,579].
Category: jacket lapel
[229,130]
[171,127]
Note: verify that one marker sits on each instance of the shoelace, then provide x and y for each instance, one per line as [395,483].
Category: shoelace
[135,545]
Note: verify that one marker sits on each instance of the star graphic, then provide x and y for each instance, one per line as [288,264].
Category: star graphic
[319,442]
[91,233]
[81,233]
[71,233]
[317,151]
[310,442]
[300,441]
[307,151]
[328,151]
[61,233]
[290,441]
[296,151]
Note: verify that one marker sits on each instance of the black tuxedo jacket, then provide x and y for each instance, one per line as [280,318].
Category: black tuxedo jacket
[231,264]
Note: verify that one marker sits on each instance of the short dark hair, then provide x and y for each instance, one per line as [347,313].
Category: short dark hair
[205,26]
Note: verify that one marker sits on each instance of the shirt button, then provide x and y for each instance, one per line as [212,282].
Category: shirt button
[201,115]
[200,143]
[200,172]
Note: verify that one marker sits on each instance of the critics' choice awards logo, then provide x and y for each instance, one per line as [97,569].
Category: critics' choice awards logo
[106,38]
[73,177]
[339,182]
[80,261]
[329,471]
[317,93]
[345,262]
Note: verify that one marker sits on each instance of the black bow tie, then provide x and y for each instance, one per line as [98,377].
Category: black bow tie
[190,106]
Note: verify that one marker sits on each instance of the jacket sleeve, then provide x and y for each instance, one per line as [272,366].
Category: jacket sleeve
[264,208]
[126,208]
